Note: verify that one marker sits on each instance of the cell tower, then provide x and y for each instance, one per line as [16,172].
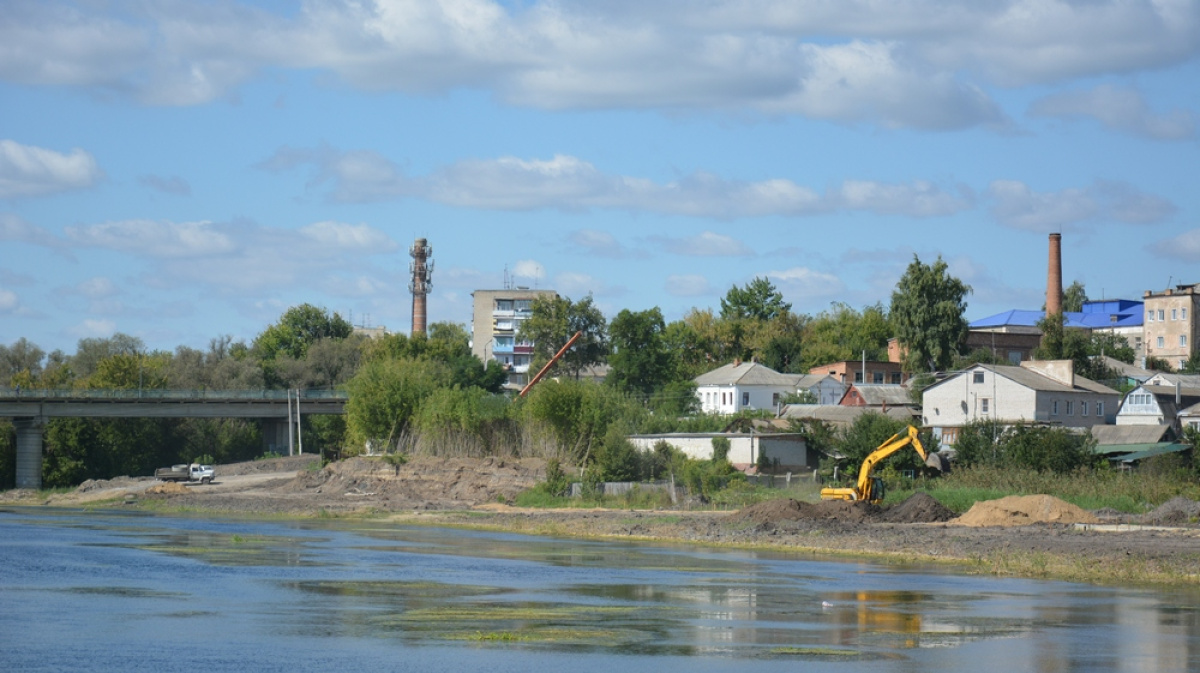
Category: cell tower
[422,282]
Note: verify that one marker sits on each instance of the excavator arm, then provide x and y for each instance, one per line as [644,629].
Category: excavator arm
[865,489]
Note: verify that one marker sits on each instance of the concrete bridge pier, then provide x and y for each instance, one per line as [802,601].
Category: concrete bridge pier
[29,451]
[275,435]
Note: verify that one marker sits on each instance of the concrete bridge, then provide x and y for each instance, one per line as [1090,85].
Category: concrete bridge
[30,409]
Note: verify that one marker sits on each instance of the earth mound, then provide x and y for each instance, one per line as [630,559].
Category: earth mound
[1177,510]
[919,508]
[167,488]
[1023,510]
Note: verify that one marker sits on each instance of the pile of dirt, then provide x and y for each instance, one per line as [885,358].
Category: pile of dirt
[1176,511]
[774,511]
[284,464]
[167,488]
[92,485]
[919,508]
[1022,510]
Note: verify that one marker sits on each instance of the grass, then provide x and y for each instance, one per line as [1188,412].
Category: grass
[1130,492]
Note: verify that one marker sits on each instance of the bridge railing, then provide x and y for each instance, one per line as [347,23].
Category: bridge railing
[166,395]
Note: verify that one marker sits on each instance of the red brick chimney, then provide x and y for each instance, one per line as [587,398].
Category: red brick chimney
[1054,290]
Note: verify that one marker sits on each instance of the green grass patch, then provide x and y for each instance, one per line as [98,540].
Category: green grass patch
[814,652]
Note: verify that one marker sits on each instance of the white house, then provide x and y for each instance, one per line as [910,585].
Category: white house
[1190,417]
[1041,391]
[786,451]
[824,388]
[742,385]
[1156,405]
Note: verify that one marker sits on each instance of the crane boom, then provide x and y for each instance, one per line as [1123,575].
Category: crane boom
[546,368]
[866,487]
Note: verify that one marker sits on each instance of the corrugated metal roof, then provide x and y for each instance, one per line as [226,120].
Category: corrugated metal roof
[744,374]
[1115,435]
[1150,451]
[1095,319]
[842,416]
[879,394]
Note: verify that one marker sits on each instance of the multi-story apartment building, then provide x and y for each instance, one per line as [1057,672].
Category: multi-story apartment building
[495,322]
[1172,323]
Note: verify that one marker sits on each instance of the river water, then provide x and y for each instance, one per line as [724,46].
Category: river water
[120,592]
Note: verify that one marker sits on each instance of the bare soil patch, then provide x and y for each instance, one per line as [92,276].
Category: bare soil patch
[919,508]
[1174,512]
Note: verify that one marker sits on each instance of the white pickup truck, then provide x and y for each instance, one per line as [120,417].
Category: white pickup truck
[185,472]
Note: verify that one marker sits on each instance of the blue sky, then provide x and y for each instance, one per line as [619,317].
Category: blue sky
[179,170]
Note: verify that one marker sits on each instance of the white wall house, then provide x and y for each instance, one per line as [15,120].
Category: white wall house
[742,385]
[824,388]
[788,451]
[1044,391]
[1156,405]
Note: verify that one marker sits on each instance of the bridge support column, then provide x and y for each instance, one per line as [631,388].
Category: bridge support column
[29,451]
[275,435]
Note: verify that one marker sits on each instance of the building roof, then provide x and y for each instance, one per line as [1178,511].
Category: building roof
[1095,315]
[879,394]
[745,374]
[1034,380]
[807,381]
[1124,435]
[840,416]
[1167,379]
[1127,370]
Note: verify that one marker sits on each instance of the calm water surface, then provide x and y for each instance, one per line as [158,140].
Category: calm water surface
[114,592]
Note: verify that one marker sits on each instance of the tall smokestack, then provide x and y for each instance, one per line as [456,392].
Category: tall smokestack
[1054,291]
[422,282]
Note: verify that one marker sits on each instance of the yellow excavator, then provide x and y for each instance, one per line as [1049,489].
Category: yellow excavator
[870,488]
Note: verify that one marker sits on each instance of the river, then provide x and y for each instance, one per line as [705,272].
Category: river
[115,592]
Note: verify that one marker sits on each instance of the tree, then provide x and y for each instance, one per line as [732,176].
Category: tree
[385,395]
[927,315]
[758,300]
[553,321]
[23,356]
[298,328]
[639,362]
[866,434]
[1192,365]
[842,333]
[1074,297]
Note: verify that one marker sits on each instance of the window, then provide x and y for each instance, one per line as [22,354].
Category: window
[1054,408]
[504,305]
[896,378]
[774,399]
[977,377]
[1014,357]
[1150,316]
[984,404]
[524,305]
[1070,407]
[858,377]
[1162,314]
[1183,340]
[877,377]
[745,399]
[1174,314]
[1083,408]
[1100,409]
[1160,342]
[1183,314]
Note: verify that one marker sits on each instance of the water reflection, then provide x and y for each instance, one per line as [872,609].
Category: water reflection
[451,600]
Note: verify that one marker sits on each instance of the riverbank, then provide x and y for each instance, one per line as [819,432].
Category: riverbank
[469,493]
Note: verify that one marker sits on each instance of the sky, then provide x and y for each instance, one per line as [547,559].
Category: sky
[180,170]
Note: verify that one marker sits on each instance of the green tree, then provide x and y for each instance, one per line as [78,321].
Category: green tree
[927,315]
[639,362]
[758,300]
[1192,365]
[385,395]
[576,415]
[868,432]
[842,333]
[1074,297]
[23,356]
[553,321]
[298,328]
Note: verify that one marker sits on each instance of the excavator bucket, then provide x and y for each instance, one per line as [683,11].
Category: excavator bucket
[938,462]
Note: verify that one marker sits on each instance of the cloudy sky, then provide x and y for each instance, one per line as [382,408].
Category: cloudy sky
[179,170]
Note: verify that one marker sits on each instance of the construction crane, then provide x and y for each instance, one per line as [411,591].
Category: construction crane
[559,354]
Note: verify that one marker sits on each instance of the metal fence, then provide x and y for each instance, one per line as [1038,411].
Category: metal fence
[124,394]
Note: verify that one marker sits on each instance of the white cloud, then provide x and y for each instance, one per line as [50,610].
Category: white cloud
[8,301]
[14,228]
[1184,247]
[574,284]
[167,184]
[804,283]
[93,328]
[706,244]
[688,285]
[154,238]
[571,184]
[1015,204]
[97,287]
[907,63]
[348,236]
[598,243]
[27,171]
[1120,109]
[529,269]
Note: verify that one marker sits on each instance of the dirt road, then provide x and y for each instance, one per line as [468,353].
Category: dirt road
[471,493]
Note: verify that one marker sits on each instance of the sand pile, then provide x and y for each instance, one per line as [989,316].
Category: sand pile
[1022,510]
[167,488]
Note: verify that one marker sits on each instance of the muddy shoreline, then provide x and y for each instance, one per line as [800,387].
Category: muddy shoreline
[470,493]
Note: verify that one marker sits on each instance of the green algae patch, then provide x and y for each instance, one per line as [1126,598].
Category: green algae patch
[124,592]
[395,589]
[816,652]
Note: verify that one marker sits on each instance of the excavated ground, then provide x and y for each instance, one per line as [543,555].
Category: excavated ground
[473,492]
